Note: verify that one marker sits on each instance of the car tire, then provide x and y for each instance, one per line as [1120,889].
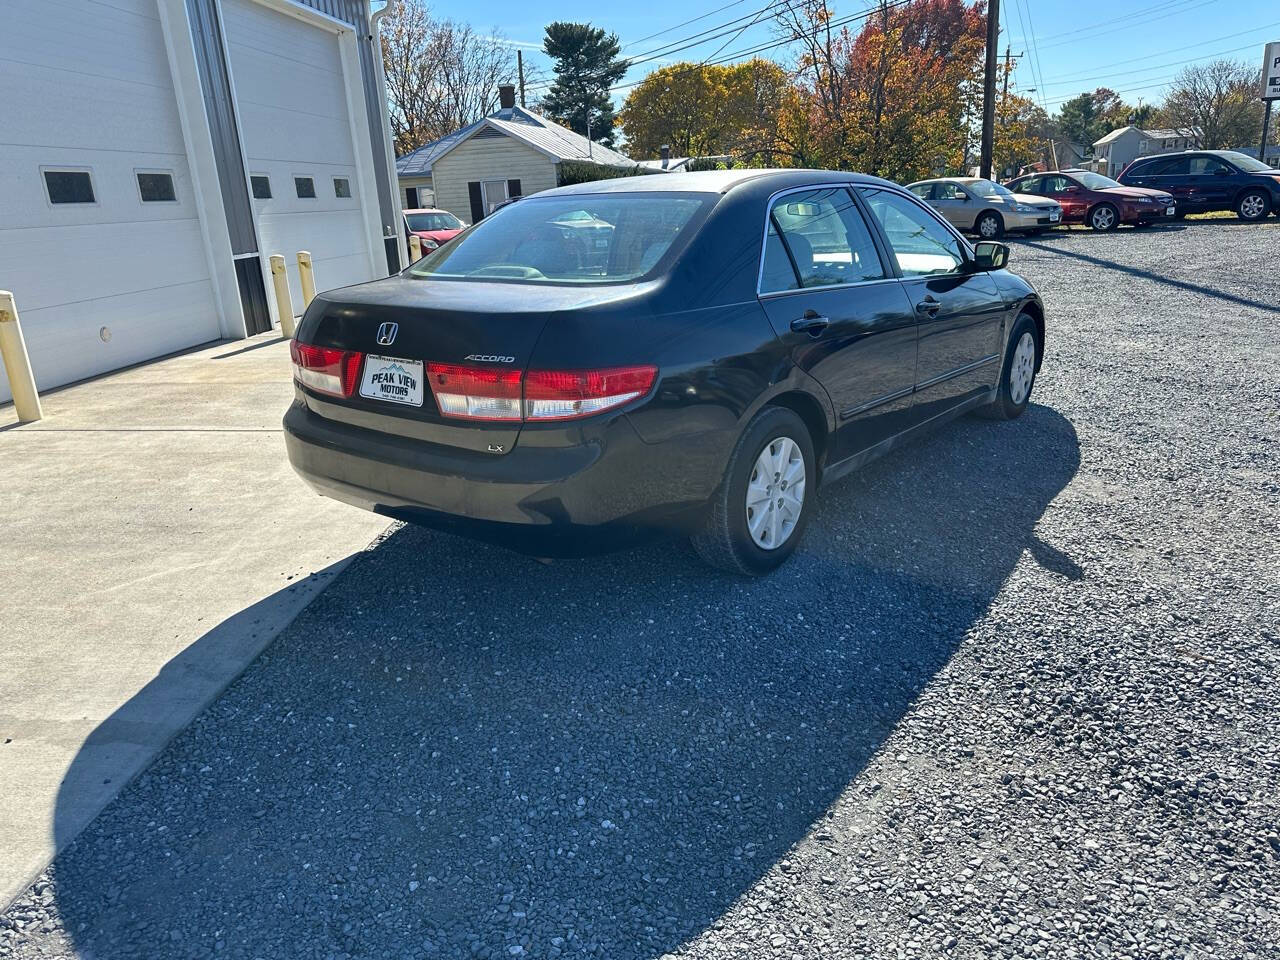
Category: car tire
[989,225]
[1104,218]
[726,540]
[1019,374]
[1253,205]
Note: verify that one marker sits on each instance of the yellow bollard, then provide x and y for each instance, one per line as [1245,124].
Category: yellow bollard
[415,248]
[284,303]
[17,365]
[307,277]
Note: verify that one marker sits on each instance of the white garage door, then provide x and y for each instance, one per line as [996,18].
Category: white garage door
[103,277]
[291,101]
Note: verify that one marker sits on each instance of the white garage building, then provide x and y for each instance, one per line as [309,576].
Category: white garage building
[155,153]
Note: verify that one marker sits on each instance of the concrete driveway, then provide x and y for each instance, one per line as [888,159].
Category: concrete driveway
[151,508]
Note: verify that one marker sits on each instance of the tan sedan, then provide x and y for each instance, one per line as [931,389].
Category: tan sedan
[987,208]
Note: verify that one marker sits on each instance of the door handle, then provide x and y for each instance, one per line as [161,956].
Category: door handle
[811,323]
[929,305]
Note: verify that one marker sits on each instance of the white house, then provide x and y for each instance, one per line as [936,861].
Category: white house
[154,153]
[1122,146]
[512,152]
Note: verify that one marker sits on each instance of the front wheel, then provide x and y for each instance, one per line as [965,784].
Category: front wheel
[758,514]
[1104,217]
[989,226]
[1254,205]
[1019,374]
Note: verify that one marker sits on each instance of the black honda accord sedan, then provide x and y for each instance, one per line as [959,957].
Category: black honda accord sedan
[717,347]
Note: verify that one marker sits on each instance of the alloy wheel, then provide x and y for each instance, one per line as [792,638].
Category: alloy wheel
[1253,207]
[775,493]
[1023,369]
[1103,218]
[988,227]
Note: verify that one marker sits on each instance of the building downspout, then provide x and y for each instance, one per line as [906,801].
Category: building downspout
[375,49]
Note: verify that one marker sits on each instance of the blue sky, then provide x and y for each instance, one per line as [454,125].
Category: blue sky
[1132,46]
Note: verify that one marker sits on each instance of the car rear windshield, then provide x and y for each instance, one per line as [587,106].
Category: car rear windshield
[579,238]
[433,221]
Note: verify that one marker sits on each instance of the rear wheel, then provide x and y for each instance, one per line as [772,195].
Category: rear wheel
[760,510]
[1019,374]
[1253,205]
[989,226]
[1104,217]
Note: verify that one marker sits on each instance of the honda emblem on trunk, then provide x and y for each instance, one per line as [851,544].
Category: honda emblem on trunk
[387,334]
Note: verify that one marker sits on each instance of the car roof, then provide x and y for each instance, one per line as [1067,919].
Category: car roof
[426,210]
[713,181]
[948,180]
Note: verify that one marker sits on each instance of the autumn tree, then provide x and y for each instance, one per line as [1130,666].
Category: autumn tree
[1221,98]
[586,65]
[891,99]
[702,110]
[440,75]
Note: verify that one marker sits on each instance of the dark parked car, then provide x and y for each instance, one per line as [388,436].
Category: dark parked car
[1204,180]
[1098,201]
[749,336]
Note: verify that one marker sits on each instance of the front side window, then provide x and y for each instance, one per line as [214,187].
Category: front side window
[574,239]
[949,191]
[918,240]
[1208,167]
[69,186]
[824,240]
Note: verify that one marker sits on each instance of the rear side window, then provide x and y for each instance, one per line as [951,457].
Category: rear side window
[586,238]
[921,190]
[1032,185]
[817,239]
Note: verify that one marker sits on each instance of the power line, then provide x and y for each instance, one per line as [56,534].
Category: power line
[685,23]
[1093,33]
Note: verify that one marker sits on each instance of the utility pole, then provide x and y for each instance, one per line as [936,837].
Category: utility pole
[989,88]
[1008,67]
[520,67]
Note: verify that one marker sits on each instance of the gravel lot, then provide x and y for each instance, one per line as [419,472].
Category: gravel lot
[1015,696]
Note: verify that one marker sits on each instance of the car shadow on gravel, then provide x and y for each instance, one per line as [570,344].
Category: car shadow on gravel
[456,751]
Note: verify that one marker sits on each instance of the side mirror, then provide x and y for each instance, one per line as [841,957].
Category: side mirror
[990,255]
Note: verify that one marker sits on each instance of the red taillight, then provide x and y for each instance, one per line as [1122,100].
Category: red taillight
[475,393]
[568,394]
[487,393]
[325,369]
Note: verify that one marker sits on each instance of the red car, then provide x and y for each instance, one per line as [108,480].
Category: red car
[432,227]
[1098,201]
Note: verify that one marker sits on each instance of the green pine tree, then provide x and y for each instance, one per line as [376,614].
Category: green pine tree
[586,66]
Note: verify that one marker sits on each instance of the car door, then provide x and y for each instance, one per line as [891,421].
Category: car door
[1216,181]
[1071,195]
[834,301]
[959,310]
[951,200]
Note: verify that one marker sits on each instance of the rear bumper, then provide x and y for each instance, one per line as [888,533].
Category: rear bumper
[609,491]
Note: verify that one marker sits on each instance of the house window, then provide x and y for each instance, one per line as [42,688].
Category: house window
[156,186]
[261,184]
[306,187]
[341,187]
[69,186]
[495,194]
[411,198]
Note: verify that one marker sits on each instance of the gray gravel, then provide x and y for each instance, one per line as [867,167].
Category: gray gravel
[1015,696]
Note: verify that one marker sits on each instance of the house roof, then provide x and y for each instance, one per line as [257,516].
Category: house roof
[1172,133]
[546,136]
[1115,134]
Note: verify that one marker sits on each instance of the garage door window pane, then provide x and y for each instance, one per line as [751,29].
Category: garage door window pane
[156,187]
[261,187]
[69,186]
[306,188]
[341,187]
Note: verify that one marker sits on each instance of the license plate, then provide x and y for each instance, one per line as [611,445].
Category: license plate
[392,379]
[1170,211]
[1055,216]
